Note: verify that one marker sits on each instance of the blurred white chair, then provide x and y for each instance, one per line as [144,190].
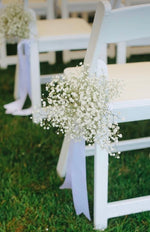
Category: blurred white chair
[5,60]
[134,47]
[53,35]
[113,26]
[72,8]
[45,7]
[84,8]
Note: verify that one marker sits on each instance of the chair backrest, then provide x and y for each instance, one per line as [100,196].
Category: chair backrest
[69,6]
[42,7]
[113,26]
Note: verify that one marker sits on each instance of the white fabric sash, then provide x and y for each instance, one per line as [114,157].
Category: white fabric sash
[76,165]
[15,107]
[76,177]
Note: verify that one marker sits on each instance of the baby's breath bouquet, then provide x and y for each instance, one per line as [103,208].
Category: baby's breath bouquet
[14,21]
[78,104]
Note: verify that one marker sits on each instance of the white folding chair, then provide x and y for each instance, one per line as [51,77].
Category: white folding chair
[133,47]
[113,26]
[41,7]
[5,59]
[84,8]
[72,8]
[53,35]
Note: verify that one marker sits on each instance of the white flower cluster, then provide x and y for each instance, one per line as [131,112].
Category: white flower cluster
[78,105]
[14,21]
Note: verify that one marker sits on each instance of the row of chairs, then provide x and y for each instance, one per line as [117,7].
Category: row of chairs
[133,105]
[110,26]
[46,29]
[52,9]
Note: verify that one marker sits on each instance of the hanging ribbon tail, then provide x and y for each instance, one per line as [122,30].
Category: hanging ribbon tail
[15,107]
[76,177]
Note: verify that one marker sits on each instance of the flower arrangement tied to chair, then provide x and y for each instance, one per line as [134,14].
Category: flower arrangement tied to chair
[15,27]
[78,105]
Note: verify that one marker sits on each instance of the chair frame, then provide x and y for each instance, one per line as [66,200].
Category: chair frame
[105,29]
[102,209]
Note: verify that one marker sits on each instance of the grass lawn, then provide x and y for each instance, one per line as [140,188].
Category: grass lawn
[30,198]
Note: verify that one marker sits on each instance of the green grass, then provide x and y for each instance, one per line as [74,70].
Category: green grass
[30,198]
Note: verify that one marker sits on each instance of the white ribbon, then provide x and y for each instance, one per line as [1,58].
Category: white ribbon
[76,177]
[101,68]
[76,165]
[15,107]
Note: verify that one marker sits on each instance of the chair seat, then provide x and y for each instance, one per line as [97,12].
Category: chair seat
[135,95]
[63,27]
[63,34]
[135,87]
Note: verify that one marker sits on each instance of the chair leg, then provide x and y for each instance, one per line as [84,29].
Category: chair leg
[111,50]
[52,58]
[35,81]
[100,188]
[3,54]
[66,56]
[121,53]
[85,16]
[16,83]
[50,9]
